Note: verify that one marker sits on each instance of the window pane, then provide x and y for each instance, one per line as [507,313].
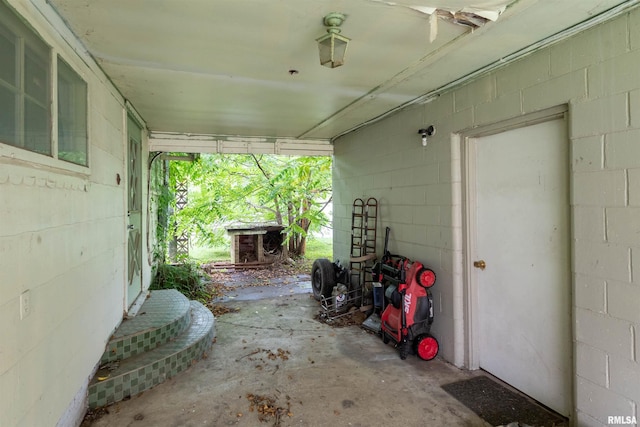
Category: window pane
[25,85]
[36,125]
[72,115]
[7,58]
[7,116]
[36,74]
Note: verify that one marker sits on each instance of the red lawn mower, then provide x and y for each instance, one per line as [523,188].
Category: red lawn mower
[408,314]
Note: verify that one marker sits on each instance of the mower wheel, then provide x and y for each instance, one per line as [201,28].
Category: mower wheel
[426,347]
[322,278]
[426,277]
[404,349]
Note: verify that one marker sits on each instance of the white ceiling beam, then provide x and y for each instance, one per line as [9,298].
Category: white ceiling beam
[189,143]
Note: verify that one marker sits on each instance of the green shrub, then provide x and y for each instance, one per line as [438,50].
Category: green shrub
[186,278]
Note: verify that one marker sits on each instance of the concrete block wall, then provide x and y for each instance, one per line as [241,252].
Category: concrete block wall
[596,74]
[62,240]
[413,187]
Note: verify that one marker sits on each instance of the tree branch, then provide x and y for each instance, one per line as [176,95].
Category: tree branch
[262,208]
[264,173]
[326,204]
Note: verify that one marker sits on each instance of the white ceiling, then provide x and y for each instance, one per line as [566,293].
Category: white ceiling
[221,67]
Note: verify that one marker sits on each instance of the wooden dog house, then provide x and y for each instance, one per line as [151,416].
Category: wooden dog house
[255,243]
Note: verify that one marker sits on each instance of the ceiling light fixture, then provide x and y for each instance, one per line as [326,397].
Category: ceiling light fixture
[332,45]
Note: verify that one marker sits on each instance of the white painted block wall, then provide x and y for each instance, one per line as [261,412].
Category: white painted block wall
[62,239]
[597,73]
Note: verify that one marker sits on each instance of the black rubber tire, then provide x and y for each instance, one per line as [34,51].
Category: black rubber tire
[385,338]
[322,278]
[404,349]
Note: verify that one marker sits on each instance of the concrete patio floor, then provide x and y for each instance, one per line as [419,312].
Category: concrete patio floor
[273,352]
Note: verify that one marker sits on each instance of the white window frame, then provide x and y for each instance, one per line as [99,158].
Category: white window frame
[12,22]
[76,115]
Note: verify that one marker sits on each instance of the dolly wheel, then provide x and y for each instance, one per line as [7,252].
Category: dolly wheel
[322,278]
[426,277]
[385,338]
[426,347]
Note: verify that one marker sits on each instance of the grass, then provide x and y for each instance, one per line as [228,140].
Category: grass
[317,247]
[205,254]
[186,278]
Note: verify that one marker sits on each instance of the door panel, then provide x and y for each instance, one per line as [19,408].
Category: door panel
[134,207]
[523,236]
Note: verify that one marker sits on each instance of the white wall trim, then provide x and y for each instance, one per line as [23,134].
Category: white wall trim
[190,143]
[458,255]
[135,115]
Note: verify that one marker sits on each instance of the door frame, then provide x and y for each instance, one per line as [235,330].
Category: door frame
[131,306]
[469,223]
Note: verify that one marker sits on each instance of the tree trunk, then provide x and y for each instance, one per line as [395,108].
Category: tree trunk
[305,223]
[278,212]
[302,247]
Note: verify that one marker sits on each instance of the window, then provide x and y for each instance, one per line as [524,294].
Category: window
[7,89]
[72,115]
[26,96]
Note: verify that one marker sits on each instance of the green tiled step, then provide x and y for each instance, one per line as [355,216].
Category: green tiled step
[143,371]
[163,316]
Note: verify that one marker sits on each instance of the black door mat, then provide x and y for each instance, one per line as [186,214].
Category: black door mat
[498,405]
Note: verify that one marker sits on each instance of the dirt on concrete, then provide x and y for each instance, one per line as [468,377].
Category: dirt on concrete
[274,363]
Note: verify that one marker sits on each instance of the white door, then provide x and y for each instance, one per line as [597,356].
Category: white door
[523,237]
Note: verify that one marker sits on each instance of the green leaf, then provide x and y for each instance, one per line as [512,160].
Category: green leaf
[252,188]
